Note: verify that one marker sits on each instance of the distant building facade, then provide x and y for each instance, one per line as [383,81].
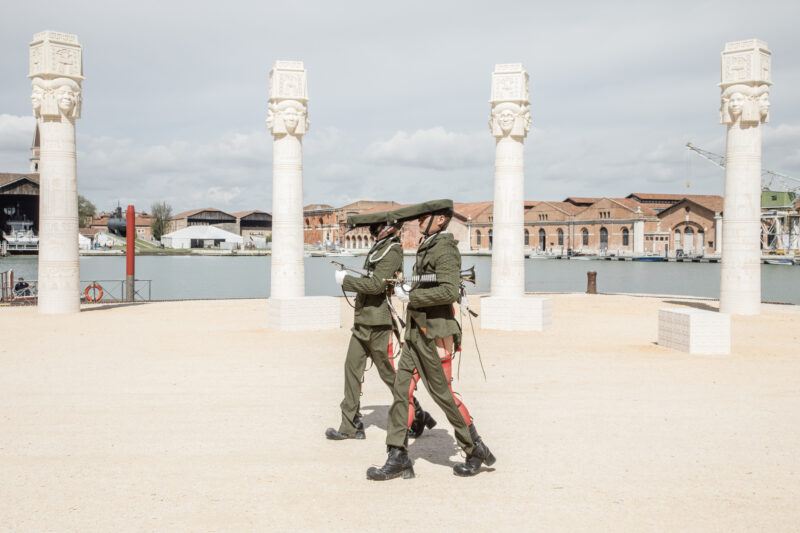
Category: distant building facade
[207,216]
[254,225]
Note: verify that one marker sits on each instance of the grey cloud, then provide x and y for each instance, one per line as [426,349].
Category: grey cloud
[175,98]
[434,148]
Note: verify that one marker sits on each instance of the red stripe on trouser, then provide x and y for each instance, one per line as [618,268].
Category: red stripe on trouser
[412,387]
[390,353]
[447,366]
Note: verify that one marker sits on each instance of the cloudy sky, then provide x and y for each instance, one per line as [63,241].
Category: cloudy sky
[175,95]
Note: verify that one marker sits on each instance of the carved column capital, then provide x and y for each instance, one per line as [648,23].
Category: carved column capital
[746,76]
[510,119]
[59,98]
[288,99]
[287,117]
[510,115]
[56,73]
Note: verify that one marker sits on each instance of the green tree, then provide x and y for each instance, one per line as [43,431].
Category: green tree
[161,212]
[86,211]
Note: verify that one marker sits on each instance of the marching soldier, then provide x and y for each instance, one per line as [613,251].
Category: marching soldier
[373,326]
[432,336]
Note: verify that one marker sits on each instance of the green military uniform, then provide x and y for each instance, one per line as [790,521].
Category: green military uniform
[372,327]
[430,317]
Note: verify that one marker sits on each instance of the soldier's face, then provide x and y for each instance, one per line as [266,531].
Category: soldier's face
[436,223]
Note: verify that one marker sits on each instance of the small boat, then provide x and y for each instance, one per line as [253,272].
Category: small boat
[21,237]
[650,258]
[780,261]
[340,253]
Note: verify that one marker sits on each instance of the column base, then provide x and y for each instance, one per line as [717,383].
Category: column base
[523,313]
[695,331]
[307,313]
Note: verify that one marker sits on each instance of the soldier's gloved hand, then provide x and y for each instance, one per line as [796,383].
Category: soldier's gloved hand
[339,275]
[401,291]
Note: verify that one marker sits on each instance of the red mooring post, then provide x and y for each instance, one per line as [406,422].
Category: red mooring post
[130,253]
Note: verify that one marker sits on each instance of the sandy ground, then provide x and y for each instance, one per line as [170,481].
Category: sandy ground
[191,416]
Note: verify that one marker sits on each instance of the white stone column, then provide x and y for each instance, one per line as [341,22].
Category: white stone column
[717,233]
[508,308]
[56,74]
[638,237]
[287,121]
[746,78]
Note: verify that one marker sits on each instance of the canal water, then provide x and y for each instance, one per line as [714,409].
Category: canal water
[208,277]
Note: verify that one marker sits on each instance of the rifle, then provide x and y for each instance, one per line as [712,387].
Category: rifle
[467,274]
[360,272]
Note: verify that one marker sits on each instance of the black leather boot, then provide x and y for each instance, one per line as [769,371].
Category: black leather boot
[334,434]
[397,464]
[480,455]
[422,420]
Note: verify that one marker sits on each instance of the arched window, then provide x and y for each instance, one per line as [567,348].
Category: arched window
[490,239]
[347,242]
[603,238]
[358,241]
[308,222]
[478,238]
[560,237]
[701,241]
[625,236]
[585,237]
[677,238]
[321,222]
[527,238]
[542,240]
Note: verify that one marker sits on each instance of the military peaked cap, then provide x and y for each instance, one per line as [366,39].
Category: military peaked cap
[403,214]
[412,212]
[368,219]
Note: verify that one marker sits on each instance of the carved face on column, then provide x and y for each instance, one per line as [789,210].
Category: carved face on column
[67,99]
[291,119]
[508,118]
[37,95]
[505,119]
[287,117]
[736,105]
[762,100]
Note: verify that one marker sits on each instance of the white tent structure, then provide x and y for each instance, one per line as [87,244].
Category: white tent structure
[84,243]
[202,237]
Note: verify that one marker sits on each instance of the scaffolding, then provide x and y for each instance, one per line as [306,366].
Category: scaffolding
[780,224]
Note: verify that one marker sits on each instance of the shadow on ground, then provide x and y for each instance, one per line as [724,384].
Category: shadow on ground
[435,445]
[696,305]
[375,415]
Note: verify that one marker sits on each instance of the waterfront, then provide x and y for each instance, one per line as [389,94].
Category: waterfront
[213,277]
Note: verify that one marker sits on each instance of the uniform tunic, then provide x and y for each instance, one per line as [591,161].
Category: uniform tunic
[372,327]
[431,318]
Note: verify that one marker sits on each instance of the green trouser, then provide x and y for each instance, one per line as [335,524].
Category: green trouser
[366,341]
[420,353]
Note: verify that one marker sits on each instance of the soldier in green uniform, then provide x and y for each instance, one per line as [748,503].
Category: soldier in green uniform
[432,335]
[373,325]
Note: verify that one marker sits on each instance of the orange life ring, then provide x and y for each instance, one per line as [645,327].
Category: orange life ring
[93,293]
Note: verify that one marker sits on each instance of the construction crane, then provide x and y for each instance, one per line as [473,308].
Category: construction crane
[781,226]
[768,177]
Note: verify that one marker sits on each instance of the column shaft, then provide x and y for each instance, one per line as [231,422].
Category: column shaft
[740,282]
[59,275]
[287,270]
[508,257]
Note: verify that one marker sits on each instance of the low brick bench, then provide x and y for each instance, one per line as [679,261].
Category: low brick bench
[694,331]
